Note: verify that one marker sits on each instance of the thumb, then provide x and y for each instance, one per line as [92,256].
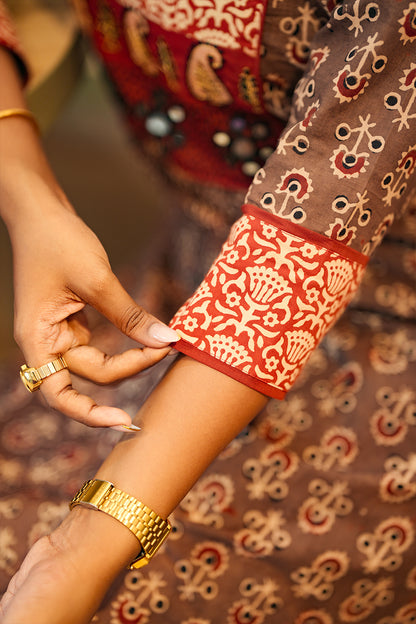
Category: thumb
[113,302]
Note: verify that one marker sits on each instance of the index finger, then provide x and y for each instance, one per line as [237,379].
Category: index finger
[61,395]
[93,364]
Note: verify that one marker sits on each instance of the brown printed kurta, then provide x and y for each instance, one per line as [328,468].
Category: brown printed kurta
[308,517]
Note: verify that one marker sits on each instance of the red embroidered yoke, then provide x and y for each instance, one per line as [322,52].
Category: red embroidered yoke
[210,88]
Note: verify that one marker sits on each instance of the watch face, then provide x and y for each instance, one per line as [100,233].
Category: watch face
[30,378]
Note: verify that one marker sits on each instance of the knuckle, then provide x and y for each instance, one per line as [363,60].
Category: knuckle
[21,333]
[101,281]
[57,400]
[133,318]
[107,374]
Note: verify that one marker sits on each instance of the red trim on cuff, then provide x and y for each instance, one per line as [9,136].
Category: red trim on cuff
[304,233]
[205,358]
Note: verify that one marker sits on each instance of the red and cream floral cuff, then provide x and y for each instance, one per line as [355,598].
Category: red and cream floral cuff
[267,301]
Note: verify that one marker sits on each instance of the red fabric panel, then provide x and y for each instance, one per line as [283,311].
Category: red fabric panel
[266,302]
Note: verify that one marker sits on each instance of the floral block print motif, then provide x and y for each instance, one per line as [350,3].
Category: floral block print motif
[224,23]
[268,299]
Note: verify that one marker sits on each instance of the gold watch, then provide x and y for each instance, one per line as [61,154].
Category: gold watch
[150,529]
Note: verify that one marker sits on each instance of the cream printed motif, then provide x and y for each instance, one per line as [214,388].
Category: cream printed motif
[284,420]
[207,502]
[144,597]
[351,159]
[338,393]
[362,63]
[227,24]
[357,212]
[267,301]
[268,474]
[314,616]
[327,501]
[404,104]
[392,352]
[262,535]
[361,12]
[397,412]
[259,600]
[408,24]
[398,483]
[318,579]
[294,188]
[300,31]
[208,561]
[365,598]
[384,547]
[411,579]
[404,615]
[395,184]
[8,550]
[338,449]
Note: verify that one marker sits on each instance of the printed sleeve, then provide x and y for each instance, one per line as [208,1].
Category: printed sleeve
[9,40]
[342,170]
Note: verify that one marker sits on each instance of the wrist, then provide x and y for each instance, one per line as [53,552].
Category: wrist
[95,541]
[26,195]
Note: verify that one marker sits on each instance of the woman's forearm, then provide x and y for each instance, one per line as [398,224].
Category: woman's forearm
[26,178]
[188,419]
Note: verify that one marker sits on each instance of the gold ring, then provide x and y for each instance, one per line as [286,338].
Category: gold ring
[32,378]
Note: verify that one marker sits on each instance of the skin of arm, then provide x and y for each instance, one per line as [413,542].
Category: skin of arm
[59,267]
[194,412]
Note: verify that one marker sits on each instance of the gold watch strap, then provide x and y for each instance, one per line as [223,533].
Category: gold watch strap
[150,529]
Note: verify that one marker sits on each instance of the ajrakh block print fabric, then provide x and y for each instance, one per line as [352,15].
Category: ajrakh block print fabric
[308,517]
[267,301]
[343,168]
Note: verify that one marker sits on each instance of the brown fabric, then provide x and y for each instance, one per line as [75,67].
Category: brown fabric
[308,516]
[344,164]
[341,446]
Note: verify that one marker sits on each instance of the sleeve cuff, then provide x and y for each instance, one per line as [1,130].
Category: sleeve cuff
[268,299]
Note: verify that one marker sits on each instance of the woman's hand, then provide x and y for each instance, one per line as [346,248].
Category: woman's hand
[59,266]
[65,575]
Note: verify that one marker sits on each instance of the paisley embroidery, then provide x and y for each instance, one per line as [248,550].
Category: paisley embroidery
[202,80]
[136,28]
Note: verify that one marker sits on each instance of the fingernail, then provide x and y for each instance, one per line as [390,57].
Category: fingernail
[163,333]
[124,428]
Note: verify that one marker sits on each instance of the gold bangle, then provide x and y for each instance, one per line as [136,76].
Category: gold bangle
[19,112]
